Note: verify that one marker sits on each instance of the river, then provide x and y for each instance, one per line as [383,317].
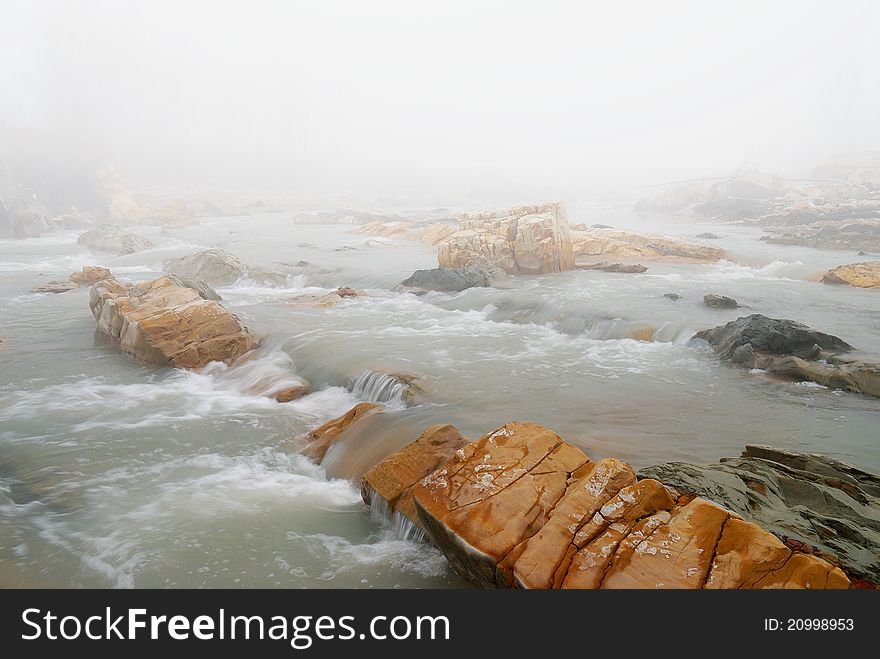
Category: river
[113,473]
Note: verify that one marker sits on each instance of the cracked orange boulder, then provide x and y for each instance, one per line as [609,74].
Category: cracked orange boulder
[520,507]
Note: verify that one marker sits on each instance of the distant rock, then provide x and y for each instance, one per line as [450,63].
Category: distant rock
[216,267]
[708,236]
[672,296]
[346,216]
[436,234]
[453,279]
[614,267]
[520,240]
[831,506]
[521,507]
[162,323]
[113,239]
[319,440]
[787,349]
[326,300]
[845,235]
[719,301]
[628,246]
[860,275]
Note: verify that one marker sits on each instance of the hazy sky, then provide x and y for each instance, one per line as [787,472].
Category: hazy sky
[377,96]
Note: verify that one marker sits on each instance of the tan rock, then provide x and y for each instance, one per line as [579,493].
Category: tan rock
[520,507]
[319,440]
[437,234]
[860,275]
[520,240]
[91,274]
[162,323]
[390,482]
[627,246]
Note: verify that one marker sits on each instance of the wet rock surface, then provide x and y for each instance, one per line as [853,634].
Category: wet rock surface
[861,275]
[630,268]
[165,324]
[113,239]
[714,301]
[821,502]
[520,507]
[453,279]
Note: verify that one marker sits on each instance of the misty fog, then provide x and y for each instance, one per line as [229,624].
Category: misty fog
[452,102]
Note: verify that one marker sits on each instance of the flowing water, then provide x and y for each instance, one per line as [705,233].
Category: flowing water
[113,473]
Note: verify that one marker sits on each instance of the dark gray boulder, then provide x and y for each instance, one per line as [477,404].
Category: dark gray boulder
[453,279]
[719,301]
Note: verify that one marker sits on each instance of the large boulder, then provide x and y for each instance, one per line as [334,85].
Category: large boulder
[862,275]
[166,324]
[714,301]
[90,274]
[520,240]
[591,244]
[520,507]
[792,350]
[817,501]
[114,239]
[387,487]
[216,267]
[453,279]
[769,335]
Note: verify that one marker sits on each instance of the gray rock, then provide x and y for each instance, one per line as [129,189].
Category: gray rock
[769,335]
[453,279]
[111,238]
[216,267]
[55,287]
[200,286]
[634,268]
[719,301]
[813,499]
[672,296]
[708,236]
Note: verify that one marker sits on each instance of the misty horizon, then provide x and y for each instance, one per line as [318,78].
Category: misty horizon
[463,103]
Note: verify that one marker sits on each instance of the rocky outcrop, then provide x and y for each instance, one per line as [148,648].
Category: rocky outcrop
[319,440]
[625,245]
[453,279]
[437,234]
[331,299]
[861,275]
[216,267]
[520,507]
[162,323]
[631,268]
[708,235]
[122,204]
[345,216]
[811,501]
[788,349]
[113,239]
[714,301]
[846,235]
[90,274]
[387,487]
[388,229]
[521,240]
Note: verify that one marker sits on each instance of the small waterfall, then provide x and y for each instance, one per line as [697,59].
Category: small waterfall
[401,527]
[379,387]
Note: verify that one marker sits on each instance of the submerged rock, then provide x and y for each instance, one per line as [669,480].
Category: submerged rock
[216,267]
[520,507]
[719,301]
[114,239]
[860,275]
[633,268]
[453,279]
[319,440]
[520,240]
[826,504]
[672,296]
[166,324]
[385,386]
[387,487]
[55,287]
[708,236]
